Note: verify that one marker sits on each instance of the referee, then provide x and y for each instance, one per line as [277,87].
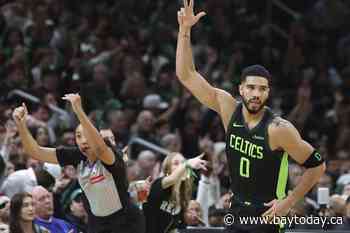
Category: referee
[101,173]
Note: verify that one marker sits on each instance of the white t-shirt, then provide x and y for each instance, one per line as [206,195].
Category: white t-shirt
[19,181]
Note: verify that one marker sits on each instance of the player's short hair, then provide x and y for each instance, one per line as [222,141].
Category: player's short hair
[255,70]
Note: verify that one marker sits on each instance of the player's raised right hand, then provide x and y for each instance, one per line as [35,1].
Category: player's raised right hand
[20,114]
[186,17]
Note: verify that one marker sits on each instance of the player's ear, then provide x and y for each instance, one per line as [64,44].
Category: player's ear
[240,88]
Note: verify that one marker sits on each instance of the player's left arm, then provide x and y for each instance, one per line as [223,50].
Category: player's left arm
[285,136]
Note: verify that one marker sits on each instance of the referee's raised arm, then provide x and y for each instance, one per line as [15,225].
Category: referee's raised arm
[31,147]
[93,137]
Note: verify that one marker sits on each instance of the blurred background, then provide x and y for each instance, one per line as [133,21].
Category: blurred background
[120,56]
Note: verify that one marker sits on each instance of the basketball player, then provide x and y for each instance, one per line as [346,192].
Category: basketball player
[258,143]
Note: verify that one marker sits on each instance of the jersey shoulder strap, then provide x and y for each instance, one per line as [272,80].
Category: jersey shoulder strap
[235,114]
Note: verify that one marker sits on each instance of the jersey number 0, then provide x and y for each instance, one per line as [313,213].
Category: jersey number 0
[244,167]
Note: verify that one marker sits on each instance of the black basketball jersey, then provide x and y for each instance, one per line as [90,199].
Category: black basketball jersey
[257,173]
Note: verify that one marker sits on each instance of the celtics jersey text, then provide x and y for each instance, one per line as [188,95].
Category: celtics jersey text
[256,172]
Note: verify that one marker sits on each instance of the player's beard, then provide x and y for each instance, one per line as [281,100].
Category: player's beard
[253,111]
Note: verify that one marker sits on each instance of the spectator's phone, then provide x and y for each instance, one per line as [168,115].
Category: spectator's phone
[323,196]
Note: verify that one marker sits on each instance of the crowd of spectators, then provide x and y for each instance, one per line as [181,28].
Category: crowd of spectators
[120,57]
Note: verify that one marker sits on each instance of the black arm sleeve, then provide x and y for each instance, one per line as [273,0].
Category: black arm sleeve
[69,156]
[118,159]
